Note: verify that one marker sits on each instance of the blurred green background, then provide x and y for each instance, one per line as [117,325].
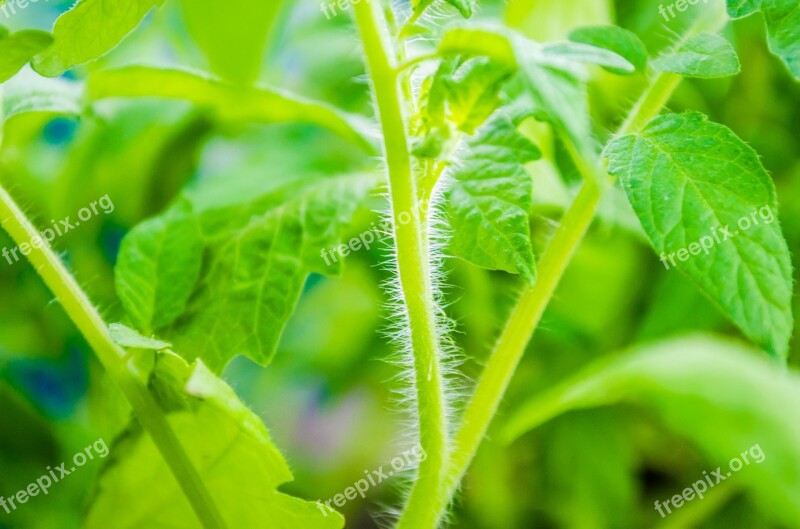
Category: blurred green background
[329,396]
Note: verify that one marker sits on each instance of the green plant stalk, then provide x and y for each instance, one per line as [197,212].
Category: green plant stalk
[653,100]
[531,305]
[518,330]
[413,268]
[113,358]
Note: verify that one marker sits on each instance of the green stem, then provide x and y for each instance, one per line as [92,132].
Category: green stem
[413,268]
[514,339]
[112,357]
[527,313]
[651,102]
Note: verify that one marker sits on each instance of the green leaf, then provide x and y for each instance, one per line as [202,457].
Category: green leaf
[129,338]
[459,94]
[709,208]
[464,7]
[783,26]
[557,54]
[624,43]
[233,39]
[157,268]
[553,75]
[258,253]
[89,30]
[28,92]
[473,92]
[229,446]
[16,49]
[715,393]
[559,96]
[230,102]
[555,78]
[488,199]
[705,55]
[429,127]
[479,41]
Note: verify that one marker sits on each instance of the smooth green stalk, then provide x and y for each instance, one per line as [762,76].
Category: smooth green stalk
[518,330]
[651,103]
[111,356]
[534,300]
[413,268]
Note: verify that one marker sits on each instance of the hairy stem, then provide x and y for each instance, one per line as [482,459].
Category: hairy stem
[413,269]
[112,357]
[518,330]
[530,307]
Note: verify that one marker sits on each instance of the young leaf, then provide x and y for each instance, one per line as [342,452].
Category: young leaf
[561,53]
[464,7]
[624,43]
[488,200]
[715,393]
[28,92]
[479,41]
[473,92]
[16,49]
[430,126]
[559,96]
[158,266]
[230,102]
[783,26]
[702,195]
[555,79]
[229,446]
[232,38]
[126,337]
[89,30]
[258,254]
[705,55]
[553,75]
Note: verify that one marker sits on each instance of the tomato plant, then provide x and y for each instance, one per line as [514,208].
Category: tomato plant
[481,171]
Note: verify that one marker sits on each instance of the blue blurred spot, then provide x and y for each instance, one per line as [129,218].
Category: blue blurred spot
[111,240]
[313,280]
[56,386]
[59,131]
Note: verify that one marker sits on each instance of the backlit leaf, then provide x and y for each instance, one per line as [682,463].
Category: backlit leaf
[717,394]
[232,36]
[16,49]
[705,55]
[488,199]
[158,266]
[710,210]
[89,30]
[230,102]
[783,26]
[624,43]
[228,445]
[257,254]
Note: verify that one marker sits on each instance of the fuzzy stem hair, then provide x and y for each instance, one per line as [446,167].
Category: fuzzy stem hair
[413,270]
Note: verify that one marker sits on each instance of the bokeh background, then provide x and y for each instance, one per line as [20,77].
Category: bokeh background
[329,397]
